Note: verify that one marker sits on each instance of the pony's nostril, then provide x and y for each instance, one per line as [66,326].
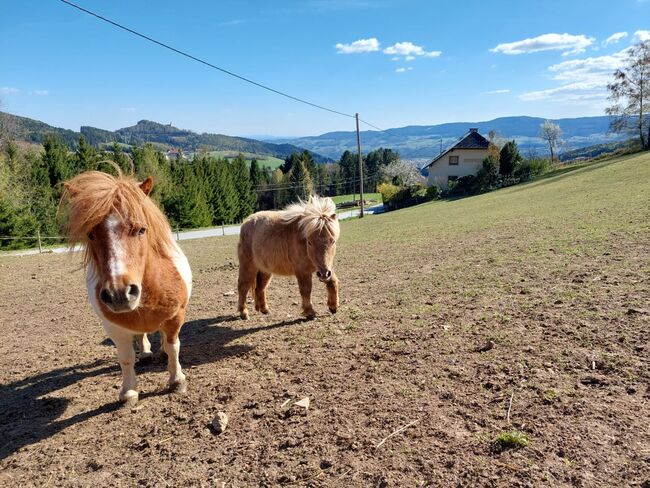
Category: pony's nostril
[105,297]
[328,274]
[318,274]
[133,292]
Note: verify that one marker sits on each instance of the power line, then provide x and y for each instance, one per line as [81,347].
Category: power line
[202,61]
[213,66]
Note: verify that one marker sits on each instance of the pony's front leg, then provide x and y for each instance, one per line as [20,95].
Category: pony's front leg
[247,277]
[123,340]
[260,291]
[304,284]
[171,344]
[144,347]
[333,293]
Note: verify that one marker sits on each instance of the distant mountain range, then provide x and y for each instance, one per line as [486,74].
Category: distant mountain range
[145,131]
[424,141]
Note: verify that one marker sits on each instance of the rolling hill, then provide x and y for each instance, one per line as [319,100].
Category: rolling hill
[424,141]
[146,131]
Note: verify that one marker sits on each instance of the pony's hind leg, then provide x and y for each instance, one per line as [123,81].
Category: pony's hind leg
[144,347]
[247,277]
[263,280]
[123,340]
[304,284]
[171,344]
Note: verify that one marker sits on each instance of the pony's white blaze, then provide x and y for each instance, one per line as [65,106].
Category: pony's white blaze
[116,265]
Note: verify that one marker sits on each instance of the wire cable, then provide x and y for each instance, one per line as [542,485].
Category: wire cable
[202,61]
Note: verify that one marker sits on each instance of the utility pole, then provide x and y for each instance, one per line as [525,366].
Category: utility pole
[360,168]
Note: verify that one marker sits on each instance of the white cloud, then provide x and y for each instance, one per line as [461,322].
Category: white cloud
[395,58]
[642,35]
[410,51]
[7,90]
[360,46]
[402,70]
[495,92]
[614,38]
[568,43]
[582,79]
[40,93]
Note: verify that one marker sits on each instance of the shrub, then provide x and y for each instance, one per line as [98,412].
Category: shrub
[388,192]
[433,192]
[511,440]
[530,168]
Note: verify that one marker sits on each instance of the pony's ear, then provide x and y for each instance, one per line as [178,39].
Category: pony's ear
[147,185]
[333,216]
[71,190]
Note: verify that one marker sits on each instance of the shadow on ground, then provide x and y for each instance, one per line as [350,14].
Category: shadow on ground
[30,407]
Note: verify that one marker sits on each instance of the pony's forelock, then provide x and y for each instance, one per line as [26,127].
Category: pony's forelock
[92,196]
[313,216]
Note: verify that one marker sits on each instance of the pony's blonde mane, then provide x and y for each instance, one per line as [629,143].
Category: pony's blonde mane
[92,196]
[313,215]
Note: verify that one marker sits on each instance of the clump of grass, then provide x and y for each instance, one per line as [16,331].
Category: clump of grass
[511,439]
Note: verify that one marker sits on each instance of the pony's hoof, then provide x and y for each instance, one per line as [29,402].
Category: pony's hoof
[179,387]
[310,315]
[243,315]
[129,398]
[332,309]
[265,311]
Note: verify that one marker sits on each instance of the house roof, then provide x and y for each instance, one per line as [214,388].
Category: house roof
[471,140]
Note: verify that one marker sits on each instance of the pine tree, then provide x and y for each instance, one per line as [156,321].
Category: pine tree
[247,198]
[301,186]
[256,174]
[509,157]
[86,156]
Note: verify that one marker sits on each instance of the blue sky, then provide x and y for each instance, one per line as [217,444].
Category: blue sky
[395,62]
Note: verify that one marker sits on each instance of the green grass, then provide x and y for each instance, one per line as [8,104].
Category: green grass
[262,160]
[348,198]
[511,440]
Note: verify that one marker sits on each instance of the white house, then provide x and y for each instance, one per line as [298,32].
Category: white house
[463,158]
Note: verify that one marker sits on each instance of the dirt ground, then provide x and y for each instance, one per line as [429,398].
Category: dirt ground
[533,325]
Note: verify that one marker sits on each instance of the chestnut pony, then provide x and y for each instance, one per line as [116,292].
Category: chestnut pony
[138,279]
[299,240]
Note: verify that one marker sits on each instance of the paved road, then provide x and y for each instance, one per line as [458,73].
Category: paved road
[227,230]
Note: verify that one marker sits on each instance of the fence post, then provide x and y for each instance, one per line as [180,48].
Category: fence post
[223,231]
[38,235]
[178,236]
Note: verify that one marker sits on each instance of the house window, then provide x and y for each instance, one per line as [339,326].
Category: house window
[453,160]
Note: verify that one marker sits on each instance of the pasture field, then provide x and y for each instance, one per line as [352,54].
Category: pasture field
[508,332]
[263,160]
[375,197]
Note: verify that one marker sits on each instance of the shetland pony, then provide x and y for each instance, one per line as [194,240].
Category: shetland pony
[138,279]
[298,240]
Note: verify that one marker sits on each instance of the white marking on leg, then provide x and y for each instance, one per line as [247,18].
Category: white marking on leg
[116,265]
[123,340]
[173,364]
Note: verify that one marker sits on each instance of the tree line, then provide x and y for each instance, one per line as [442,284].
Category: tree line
[198,192]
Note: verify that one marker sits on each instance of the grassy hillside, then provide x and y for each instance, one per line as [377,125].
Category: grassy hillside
[496,340]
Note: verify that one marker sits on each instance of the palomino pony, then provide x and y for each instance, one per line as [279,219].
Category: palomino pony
[138,279]
[298,240]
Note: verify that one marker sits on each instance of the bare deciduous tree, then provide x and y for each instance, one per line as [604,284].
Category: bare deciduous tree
[629,94]
[551,133]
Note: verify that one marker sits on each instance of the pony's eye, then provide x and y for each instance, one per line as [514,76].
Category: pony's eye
[91,236]
[141,231]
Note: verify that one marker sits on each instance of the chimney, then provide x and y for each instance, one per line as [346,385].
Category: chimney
[473,129]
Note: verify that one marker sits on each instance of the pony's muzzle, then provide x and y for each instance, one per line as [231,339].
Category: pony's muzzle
[121,300]
[324,276]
